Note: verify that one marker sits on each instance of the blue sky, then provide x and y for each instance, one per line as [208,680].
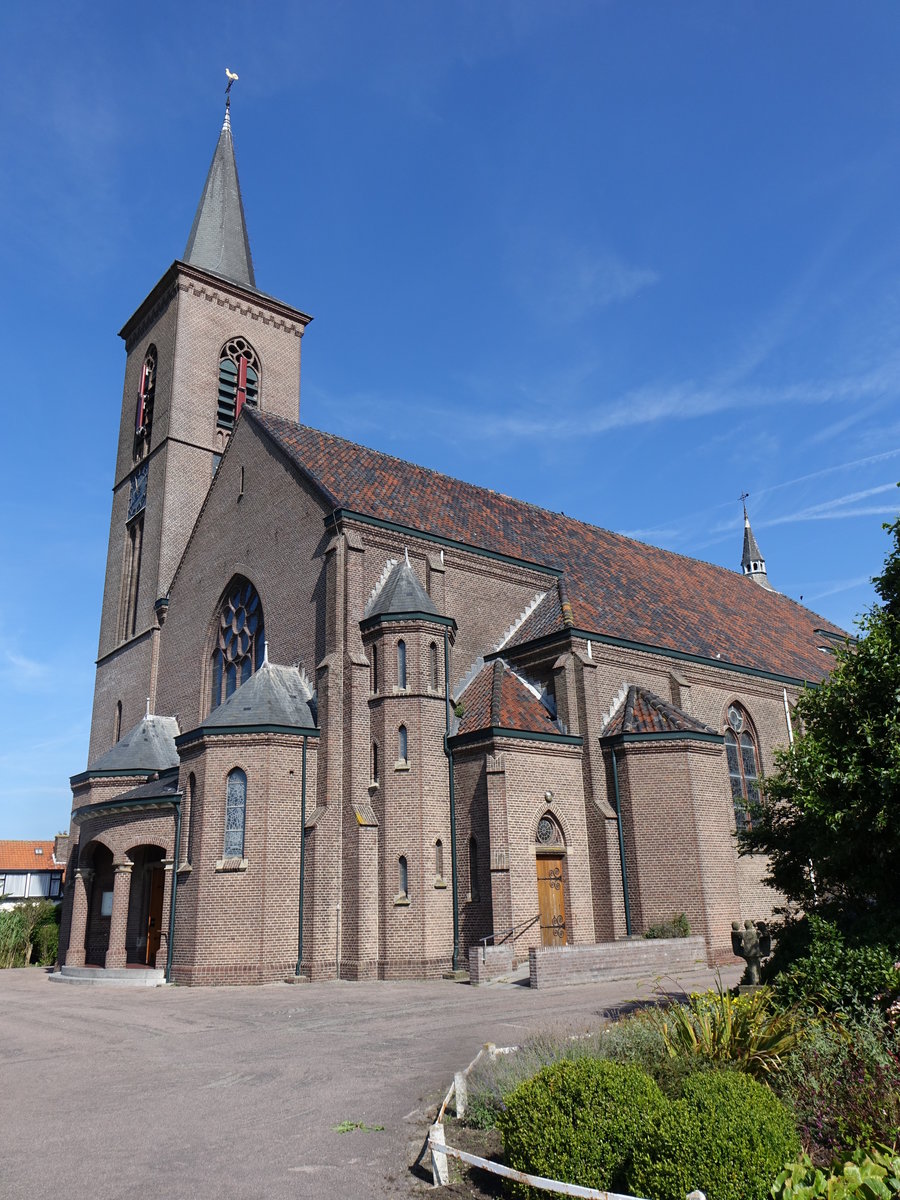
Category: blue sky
[624,260]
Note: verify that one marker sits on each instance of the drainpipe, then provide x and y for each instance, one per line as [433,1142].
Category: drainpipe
[453,872]
[302,859]
[787,717]
[176,804]
[621,844]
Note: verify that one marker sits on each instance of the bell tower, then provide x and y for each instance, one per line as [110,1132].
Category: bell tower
[204,343]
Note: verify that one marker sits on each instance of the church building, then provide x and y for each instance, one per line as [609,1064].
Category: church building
[352,716]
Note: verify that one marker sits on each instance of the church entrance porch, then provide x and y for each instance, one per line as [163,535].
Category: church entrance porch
[145,905]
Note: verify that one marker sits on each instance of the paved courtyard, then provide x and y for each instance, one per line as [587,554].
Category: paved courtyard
[235,1092]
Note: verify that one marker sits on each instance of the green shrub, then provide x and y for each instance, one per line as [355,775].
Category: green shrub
[843,1085]
[847,972]
[29,933]
[678,927]
[577,1121]
[728,1135]
[872,1175]
[13,939]
[748,1032]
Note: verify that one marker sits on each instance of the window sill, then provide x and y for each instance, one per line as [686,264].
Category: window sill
[399,691]
[401,901]
[373,785]
[401,765]
[224,865]
[439,882]
[185,869]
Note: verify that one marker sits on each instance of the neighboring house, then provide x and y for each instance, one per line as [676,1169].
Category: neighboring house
[32,870]
[352,716]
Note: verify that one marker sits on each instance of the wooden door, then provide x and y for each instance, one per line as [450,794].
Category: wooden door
[551,899]
[154,917]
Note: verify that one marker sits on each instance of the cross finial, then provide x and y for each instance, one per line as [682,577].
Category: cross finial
[744,497]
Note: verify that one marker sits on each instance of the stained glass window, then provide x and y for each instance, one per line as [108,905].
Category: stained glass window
[238,381]
[240,641]
[235,814]
[548,832]
[743,767]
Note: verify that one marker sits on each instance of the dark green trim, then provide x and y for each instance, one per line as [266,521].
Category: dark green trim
[497,731]
[341,514]
[615,771]
[134,805]
[647,648]
[121,773]
[368,623]
[302,863]
[202,731]
[689,736]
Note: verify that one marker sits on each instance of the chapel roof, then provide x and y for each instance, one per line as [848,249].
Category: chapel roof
[498,698]
[401,592]
[218,240]
[615,587]
[149,746]
[642,711]
[272,696]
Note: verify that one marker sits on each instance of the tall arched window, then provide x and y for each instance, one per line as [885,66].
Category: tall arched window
[143,417]
[743,766]
[192,816]
[402,876]
[238,381]
[402,744]
[375,765]
[474,890]
[401,664]
[439,858]
[433,681]
[240,640]
[373,667]
[117,722]
[235,814]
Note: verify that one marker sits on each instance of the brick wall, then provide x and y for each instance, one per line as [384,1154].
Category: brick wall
[557,966]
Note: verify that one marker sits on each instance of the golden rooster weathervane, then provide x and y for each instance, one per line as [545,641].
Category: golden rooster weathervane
[232,79]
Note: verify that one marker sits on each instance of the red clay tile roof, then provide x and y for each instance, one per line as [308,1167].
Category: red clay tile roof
[616,587]
[643,711]
[20,856]
[497,697]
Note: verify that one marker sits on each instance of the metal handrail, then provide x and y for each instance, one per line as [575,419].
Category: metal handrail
[521,927]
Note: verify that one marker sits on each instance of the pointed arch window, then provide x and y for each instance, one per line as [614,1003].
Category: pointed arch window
[239,376]
[742,755]
[402,745]
[240,640]
[433,681]
[439,858]
[402,877]
[235,814]
[373,667]
[143,418]
[375,765]
[401,664]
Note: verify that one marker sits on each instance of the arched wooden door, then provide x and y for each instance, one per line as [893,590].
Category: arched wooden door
[551,899]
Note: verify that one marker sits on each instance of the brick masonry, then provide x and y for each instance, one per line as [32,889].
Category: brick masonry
[379,865]
[632,959]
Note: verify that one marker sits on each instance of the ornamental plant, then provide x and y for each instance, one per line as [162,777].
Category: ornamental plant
[864,1175]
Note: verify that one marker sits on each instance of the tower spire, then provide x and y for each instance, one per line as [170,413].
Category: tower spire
[752,562]
[218,239]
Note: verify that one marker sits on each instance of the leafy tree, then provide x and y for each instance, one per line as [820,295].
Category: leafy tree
[830,819]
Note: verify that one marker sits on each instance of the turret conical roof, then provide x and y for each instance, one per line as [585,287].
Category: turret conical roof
[401,593]
[149,746]
[218,240]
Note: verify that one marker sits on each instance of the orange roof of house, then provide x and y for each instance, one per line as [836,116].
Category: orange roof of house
[28,856]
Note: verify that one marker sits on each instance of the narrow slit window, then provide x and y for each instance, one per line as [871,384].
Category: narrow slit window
[433,681]
[439,858]
[402,745]
[401,664]
[374,762]
[474,892]
[402,876]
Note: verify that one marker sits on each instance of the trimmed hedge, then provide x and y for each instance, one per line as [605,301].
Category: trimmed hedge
[728,1135]
[578,1121]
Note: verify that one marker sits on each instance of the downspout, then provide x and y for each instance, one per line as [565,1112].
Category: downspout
[787,717]
[302,859]
[176,804]
[453,872]
[621,843]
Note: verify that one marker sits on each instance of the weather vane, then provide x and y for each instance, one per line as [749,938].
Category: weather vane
[232,78]
[744,496]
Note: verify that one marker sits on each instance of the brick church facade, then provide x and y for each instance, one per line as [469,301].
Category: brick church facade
[352,716]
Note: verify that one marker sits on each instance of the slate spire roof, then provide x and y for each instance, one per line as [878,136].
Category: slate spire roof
[401,592]
[615,587]
[752,561]
[642,711]
[272,696]
[149,746]
[218,240]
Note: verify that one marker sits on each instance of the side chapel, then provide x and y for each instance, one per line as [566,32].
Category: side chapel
[352,715]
